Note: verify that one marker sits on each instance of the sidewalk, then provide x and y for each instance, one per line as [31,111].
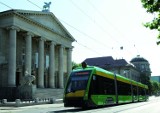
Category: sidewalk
[19,103]
[43,108]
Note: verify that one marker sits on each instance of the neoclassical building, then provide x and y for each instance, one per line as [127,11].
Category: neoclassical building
[143,66]
[117,66]
[138,69]
[35,42]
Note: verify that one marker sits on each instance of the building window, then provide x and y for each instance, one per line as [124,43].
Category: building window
[125,73]
[142,66]
[47,61]
[23,56]
[36,60]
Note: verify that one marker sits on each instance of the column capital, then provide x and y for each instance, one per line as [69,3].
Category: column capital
[30,34]
[42,39]
[13,28]
[70,48]
[53,42]
[60,45]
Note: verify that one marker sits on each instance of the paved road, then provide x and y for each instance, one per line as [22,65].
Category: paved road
[152,106]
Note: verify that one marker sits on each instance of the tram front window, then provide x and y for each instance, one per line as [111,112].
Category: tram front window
[78,81]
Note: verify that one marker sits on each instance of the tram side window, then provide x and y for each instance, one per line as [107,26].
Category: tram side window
[134,90]
[94,85]
[123,88]
[141,91]
[109,86]
[102,85]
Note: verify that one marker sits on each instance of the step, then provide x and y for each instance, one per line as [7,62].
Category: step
[42,93]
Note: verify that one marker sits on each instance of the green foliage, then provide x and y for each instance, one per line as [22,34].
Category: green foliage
[154,88]
[153,6]
[150,88]
[75,65]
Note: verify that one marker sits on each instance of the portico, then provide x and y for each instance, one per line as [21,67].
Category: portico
[36,42]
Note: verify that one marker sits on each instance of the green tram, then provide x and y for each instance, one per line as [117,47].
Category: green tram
[90,86]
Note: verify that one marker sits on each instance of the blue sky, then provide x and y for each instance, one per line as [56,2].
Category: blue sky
[101,27]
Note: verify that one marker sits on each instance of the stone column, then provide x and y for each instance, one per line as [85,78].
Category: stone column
[52,65]
[61,67]
[69,61]
[28,53]
[12,56]
[41,64]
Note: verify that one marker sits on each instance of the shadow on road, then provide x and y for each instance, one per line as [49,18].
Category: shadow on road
[76,110]
[69,110]
[73,110]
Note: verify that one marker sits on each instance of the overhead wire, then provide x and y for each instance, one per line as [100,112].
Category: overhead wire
[101,28]
[110,36]
[34,4]
[85,34]
[104,30]
[106,20]
[6,5]
[94,51]
[116,29]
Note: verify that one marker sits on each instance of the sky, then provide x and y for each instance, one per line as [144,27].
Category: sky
[102,27]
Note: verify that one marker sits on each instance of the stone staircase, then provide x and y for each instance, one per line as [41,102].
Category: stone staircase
[43,93]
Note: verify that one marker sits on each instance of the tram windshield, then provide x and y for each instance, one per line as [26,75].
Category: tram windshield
[78,81]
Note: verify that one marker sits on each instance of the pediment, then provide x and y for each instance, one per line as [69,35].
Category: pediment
[47,19]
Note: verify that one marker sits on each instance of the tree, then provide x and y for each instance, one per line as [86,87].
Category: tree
[75,65]
[150,90]
[154,88]
[153,7]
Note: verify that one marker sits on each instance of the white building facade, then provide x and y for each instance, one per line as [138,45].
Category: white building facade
[35,42]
